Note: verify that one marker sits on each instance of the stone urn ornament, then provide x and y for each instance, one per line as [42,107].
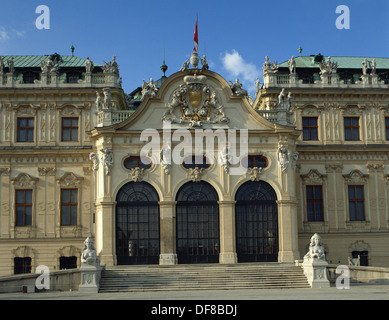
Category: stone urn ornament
[194,59]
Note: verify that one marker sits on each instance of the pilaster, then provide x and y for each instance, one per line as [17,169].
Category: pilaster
[227,232]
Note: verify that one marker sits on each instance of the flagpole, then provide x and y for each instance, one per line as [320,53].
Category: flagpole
[194,59]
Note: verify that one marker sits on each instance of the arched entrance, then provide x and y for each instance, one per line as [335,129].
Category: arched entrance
[256,218]
[197,223]
[137,224]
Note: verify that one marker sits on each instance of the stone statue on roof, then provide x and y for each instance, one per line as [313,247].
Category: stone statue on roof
[269,67]
[185,65]
[50,65]
[149,88]
[89,65]
[373,67]
[11,66]
[237,88]
[328,67]
[1,65]
[365,66]
[204,63]
[111,66]
[292,65]
[257,86]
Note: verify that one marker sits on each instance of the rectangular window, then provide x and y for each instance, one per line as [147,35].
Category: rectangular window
[69,205]
[387,127]
[310,128]
[23,207]
[25,127]
[22,265]
[314,203]
[67,262]
[356,203]
[351,128]
[69,129]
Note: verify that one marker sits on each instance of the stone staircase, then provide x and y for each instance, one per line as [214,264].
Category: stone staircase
[202,277]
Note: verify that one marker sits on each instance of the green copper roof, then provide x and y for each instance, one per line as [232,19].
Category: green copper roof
[35,61]
[343,62]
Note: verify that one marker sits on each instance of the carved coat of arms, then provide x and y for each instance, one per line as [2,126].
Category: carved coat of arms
[196,103]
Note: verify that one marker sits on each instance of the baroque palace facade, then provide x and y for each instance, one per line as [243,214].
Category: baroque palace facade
[314,153]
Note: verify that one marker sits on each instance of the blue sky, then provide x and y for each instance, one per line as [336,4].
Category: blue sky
[235,35]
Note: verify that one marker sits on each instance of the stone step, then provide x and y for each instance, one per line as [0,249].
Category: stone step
[201,277]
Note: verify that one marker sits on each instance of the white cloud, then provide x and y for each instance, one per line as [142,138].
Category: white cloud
[4,35]
[20,34]
[237,67]
[8,34]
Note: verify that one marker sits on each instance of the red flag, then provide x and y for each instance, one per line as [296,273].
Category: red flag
[196,38]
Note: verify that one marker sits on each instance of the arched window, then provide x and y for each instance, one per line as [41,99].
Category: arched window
[197,223]
[137,224]
[256,218]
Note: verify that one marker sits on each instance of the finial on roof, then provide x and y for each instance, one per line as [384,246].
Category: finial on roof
[72,50]
[163,66]
[300,50]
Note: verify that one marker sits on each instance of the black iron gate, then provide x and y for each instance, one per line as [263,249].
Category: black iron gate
[256,217]
[197,223]
[137,224]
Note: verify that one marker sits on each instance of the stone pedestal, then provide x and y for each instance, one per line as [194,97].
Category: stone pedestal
[316,272]
[168,259]
[90,278]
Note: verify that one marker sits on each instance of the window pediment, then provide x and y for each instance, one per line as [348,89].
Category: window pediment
[313,177]
[356,177]
[24,180]
[69,179]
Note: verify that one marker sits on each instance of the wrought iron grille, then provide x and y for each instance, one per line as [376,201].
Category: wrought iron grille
[256,217]
[137,224]
[197,223]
